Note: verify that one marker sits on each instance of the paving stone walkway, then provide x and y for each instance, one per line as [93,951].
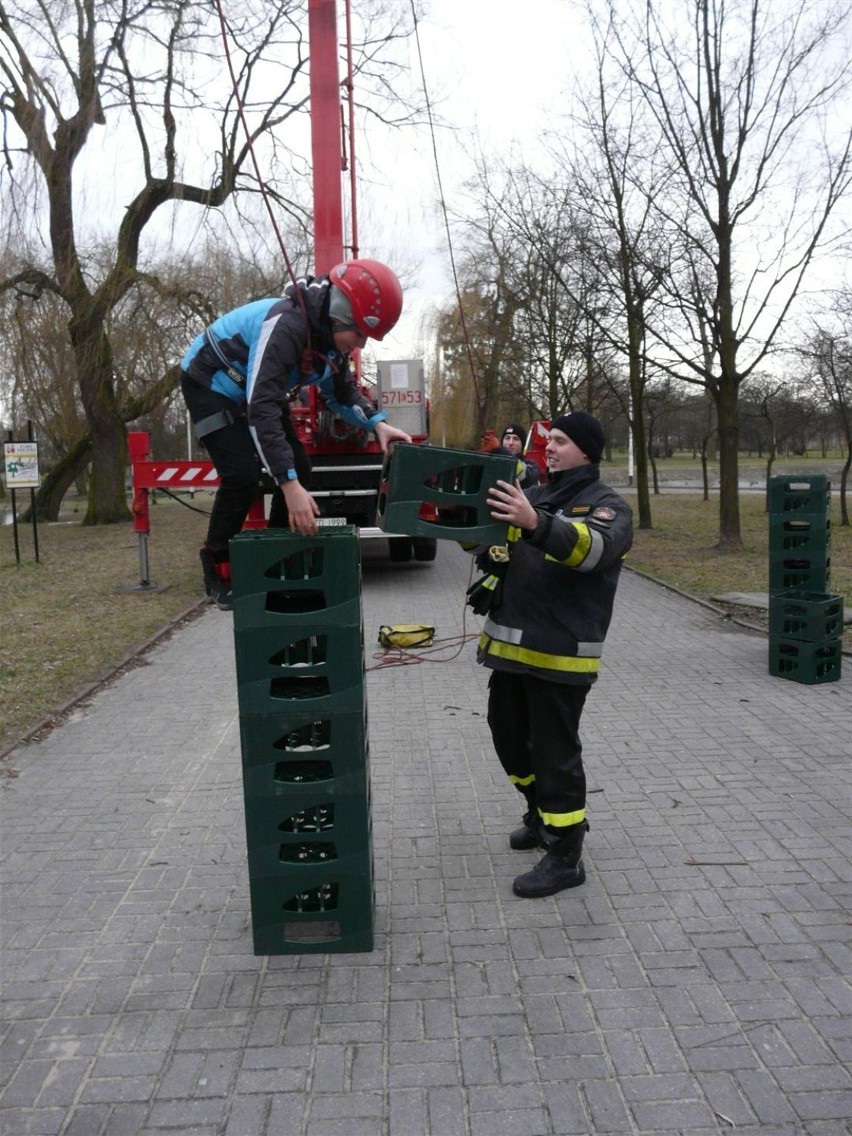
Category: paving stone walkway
[698,984]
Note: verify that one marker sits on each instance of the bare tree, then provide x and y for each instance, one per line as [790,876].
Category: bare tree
[587,275]
[553,270]
[747,102]
[95,83]
[828,357]
[773,410]
[505,347]
[597,157]
[477,351]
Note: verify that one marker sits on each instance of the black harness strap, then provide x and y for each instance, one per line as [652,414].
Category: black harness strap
[216,421]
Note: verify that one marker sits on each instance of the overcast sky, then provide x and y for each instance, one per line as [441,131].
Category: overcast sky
[497,73]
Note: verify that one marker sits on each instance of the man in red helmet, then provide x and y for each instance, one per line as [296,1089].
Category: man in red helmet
[238,379]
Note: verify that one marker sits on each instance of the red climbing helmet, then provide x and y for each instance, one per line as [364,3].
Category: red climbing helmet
[374,294]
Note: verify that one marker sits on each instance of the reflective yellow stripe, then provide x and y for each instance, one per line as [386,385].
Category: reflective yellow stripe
[513,534]
[581,548]
[563,820]
[567,663]
[522,780]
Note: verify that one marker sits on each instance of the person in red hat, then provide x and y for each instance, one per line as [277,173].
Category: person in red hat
[548,605]
[238,379]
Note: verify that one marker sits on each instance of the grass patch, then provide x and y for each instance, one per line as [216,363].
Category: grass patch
[681,551]
[66,620]
[682,545]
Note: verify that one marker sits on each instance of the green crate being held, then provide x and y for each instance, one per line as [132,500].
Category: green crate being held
[441,493]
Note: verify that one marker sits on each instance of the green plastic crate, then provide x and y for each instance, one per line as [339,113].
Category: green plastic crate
[277,808]
[335,851]
[803,535]
[298,693]
[264,558]
[338,825]
[790,571]
[272,798]
[314,911]
[810,616]
[295,740]
[809,663]
[420,481]
[271,652]
[807,493]
[280,577]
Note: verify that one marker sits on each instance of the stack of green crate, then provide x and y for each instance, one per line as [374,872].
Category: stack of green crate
[435,492]
[298,635]
[805,620]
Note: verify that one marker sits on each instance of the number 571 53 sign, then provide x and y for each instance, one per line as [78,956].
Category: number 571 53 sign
[402,397]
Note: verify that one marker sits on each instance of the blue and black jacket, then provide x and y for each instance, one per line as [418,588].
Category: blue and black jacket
[253,356]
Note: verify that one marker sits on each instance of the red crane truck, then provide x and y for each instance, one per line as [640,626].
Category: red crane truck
[347,462]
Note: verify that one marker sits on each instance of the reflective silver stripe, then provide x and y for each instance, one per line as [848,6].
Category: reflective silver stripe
[266,331]
[590,650]
[514,635]
[343,493]
[593,556]
[257,446]
[505,634]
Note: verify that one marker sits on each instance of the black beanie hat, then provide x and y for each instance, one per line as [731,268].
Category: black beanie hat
[583,429]
[515,429]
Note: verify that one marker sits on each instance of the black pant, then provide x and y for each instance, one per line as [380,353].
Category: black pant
[535,728]
[234,454]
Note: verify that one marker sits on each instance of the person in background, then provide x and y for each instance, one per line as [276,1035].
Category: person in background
[489,443]
[543,636]
[240,375]
[513,441]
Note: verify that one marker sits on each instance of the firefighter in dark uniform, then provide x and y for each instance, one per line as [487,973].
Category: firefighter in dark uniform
[239,376]
[550,608]
[512,441]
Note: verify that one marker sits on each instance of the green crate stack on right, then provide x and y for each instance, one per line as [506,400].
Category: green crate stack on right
[805,619]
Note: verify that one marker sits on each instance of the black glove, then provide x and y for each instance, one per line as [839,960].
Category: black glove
[486,593]
[480,596]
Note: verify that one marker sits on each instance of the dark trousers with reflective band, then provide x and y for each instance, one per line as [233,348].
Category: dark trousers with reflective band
[234,454]
[535,728]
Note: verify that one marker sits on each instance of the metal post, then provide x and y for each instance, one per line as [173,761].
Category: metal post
[144,581]
[630,441]
[15,528]
[33,517]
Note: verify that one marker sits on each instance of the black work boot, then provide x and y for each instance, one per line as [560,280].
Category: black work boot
[529,835]
[216,587]
[560,868]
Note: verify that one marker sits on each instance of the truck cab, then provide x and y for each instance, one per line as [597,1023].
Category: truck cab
[347,462]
